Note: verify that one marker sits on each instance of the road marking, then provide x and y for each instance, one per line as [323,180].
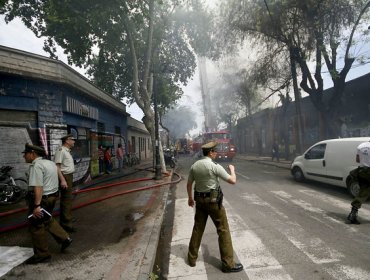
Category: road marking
[315,248]
[241,175]
[259,264]
[349,272]
[312,247]
[343,204]
[13,256]
[182,229]
[258,261]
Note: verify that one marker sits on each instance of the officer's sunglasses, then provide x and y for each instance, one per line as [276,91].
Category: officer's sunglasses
[213,150]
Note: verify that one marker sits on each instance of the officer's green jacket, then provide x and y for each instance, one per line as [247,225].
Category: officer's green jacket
[205,172]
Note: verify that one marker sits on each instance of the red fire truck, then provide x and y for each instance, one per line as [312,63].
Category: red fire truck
[196,144]
[225,149]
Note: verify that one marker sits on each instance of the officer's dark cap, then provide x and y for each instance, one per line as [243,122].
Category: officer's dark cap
[64,138]
[33,148]
[209,146]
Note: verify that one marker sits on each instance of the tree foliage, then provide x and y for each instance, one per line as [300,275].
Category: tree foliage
[130,47]
[310,31]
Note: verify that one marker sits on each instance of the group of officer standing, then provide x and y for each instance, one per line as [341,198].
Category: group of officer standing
[48,181]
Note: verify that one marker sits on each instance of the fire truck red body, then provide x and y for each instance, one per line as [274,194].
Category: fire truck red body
[225,149]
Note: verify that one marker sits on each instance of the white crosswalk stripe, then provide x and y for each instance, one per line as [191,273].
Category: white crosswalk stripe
[257,259]
[182,229]
[259,262]
[10,257]
[313,247]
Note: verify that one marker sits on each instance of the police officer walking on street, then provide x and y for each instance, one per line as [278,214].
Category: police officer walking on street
[43,179]
[66,167]
[208,201]
[363,178]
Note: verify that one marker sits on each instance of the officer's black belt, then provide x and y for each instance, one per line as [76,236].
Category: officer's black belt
[52,194]
[32,193]
[202,194]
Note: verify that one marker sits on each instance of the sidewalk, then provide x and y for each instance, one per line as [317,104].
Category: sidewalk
[116,239]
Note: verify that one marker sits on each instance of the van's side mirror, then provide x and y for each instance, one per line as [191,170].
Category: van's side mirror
[307,156]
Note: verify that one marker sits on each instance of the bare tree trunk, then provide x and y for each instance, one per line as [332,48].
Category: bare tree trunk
[297,98]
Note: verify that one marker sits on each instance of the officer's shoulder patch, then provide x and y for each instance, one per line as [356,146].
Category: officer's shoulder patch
[60,149]
[214,162]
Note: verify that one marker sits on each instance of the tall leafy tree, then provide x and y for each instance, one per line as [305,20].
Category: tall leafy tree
[311,31]
[334,25]
[251,21]
[130,47]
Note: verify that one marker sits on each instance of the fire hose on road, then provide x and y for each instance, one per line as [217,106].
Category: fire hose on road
[23,209]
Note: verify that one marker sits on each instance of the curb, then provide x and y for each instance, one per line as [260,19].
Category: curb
[281,165]
[147,266]
[284,165]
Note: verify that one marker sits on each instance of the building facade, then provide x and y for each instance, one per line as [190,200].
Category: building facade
[255,134]
[138,139]
[42,99]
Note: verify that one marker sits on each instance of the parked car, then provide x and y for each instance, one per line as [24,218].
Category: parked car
[330,161]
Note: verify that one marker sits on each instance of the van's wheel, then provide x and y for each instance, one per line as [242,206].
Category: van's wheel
[353,187]
[298,174]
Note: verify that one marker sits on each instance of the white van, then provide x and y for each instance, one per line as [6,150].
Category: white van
[329,161]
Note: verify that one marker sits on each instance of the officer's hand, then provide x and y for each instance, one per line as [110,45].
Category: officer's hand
[191,202]
[63,185]
[231,168]
[37,212]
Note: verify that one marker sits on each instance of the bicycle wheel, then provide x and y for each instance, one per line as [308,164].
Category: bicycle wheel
[22,183]
[22,188]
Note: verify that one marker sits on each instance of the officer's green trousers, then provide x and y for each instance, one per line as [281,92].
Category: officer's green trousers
[218,215]
[39,230]
[364,193]
[66,203]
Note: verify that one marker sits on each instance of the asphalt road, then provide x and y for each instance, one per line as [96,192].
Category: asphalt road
[280,229]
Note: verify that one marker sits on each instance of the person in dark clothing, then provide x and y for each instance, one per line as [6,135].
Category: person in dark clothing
[363,178]
[275,152]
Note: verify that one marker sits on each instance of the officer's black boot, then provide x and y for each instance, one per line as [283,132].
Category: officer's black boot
[352,217]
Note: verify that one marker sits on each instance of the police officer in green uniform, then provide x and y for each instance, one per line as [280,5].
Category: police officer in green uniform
[43,193]
[208,197]
[66,167]
[363,178]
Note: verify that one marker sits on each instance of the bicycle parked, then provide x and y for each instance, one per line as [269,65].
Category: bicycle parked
[126,162]
[130,160]
[12,189]
[134,159]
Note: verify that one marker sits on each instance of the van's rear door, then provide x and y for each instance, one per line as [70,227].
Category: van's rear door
[314,162]
[340,159]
